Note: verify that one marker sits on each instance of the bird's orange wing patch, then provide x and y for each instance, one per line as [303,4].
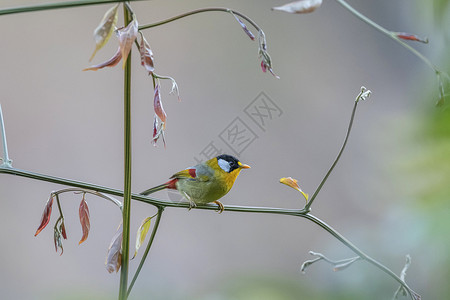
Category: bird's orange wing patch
[188,173]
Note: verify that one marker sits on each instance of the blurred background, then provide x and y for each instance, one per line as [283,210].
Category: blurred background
[389,194]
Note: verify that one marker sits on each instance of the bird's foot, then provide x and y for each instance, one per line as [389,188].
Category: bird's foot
[192,204]
[221,207]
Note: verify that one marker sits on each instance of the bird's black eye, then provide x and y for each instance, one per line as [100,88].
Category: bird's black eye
[230,161]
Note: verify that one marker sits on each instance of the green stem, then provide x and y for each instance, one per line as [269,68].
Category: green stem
[50,6]
[150,242]
[127,172]
[144,199]
[388,33]
[311,200]
[59,206]
[6,162]
[245,209]
[202,10]
[361,254]
[86,191]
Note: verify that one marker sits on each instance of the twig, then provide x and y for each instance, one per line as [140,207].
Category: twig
[59,5]
[363,95]
[147,249]
[6,162]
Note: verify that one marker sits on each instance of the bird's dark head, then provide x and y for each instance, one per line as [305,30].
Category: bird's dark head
[230,163]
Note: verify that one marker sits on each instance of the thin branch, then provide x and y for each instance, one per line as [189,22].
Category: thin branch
[338,265]
[363,95]
[248,209]
[87,191]
[59,5]
[6,162]
[147,249]
[361,254]
[146,199]
[202,10]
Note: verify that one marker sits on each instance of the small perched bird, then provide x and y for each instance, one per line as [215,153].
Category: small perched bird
[206,182]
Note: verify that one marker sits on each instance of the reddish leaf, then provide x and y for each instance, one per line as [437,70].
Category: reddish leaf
[266,66]
[157,105]
[155,129]
[411,37]
[244,27]
[114,256]
[146,55]
[109,63]
[127,36]
[45,215]
[62,228]
[84,220]
[263,66]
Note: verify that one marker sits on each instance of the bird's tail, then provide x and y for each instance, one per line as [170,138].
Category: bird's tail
[168,185]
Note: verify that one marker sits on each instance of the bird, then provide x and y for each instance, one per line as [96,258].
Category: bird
[205,182]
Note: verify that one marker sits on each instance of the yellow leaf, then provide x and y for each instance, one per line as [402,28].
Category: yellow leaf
[293,183]
[141,234]
[104,30]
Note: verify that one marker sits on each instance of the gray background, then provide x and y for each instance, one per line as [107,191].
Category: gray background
[64,122]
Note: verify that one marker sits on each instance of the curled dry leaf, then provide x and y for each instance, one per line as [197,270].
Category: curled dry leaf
[157,105]
[45,215]
[411,37]
[84,220]
[158,131]
[266,62]
[293,183]
[62,228]
[141,234]
[104,30]
[244,27]
[109,63]
[57,240]
[114,256]
[126,37]
[146,55]
[300,7]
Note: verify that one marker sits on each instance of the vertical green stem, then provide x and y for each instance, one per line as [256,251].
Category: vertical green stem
[127,173]
[150,242]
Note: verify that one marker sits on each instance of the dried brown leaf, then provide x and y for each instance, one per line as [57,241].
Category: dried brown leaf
[109,63]
[244,27]
[146,55]
[126,37]
[157,105]
[57,240]
[45,215]
[84,220]
[114,256]
[299,7]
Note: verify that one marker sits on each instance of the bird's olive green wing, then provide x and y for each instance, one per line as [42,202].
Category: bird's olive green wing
[192,173]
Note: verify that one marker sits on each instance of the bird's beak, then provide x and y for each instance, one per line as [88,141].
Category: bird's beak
[243,166]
